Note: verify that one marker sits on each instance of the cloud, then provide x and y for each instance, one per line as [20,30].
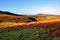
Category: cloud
[48,10]
[45,10]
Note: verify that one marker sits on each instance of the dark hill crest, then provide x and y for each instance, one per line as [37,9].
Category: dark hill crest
[9,13]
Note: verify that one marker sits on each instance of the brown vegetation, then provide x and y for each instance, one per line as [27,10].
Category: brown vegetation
[18,22]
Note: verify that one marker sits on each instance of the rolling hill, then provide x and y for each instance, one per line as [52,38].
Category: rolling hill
[24,27]
[11,18]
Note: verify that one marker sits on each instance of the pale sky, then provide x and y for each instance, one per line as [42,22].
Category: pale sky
[31,7]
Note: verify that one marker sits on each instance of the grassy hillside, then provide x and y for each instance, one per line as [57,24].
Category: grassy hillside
[48,18]
[29,34]
[25,34]
[20,27]
[14,18]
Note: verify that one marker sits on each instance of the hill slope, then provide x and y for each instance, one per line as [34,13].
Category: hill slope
[11,17]
[40,27]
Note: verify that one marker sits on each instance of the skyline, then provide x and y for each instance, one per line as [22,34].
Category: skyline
[31,7]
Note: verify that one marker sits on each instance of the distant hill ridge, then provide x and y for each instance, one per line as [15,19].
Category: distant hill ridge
[9,13]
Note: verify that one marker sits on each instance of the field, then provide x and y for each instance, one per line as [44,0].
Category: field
[28,34]
[31,32]
[29,27]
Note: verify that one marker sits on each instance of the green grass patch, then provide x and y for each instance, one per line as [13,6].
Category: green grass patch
[26,34]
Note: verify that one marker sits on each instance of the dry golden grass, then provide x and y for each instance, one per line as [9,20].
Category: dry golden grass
[52,23]
[9,21]
[48,19]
